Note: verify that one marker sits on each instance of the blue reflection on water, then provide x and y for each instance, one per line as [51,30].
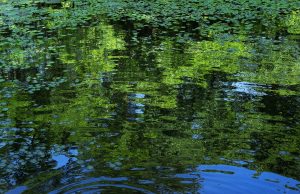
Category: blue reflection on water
[231,179]
[17,190]
[61,160]
[206,179]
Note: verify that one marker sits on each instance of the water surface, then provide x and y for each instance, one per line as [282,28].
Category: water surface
[103,109]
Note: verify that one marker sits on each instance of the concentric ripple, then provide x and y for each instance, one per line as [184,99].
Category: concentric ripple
[96,185]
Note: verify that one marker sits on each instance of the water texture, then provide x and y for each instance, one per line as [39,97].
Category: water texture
[104,108]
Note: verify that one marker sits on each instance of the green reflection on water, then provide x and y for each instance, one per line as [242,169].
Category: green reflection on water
[148,107]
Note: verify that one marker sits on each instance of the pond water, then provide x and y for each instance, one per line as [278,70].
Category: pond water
[104,109]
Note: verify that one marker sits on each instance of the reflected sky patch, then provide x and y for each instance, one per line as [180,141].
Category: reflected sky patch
[231,179]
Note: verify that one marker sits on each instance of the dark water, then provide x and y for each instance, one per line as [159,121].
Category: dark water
[106,110]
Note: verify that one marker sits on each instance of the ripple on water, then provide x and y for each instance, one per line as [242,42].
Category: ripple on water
[231,179]
[98,185]
[210,179]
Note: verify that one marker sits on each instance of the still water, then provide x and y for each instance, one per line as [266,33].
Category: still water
[103,109]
